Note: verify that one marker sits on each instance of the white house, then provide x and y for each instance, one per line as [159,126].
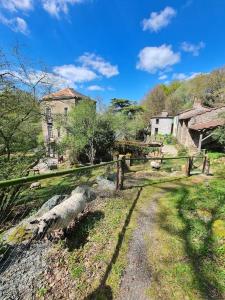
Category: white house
[162,124]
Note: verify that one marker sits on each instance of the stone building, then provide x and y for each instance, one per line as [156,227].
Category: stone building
[161,124]
[53,105]
[194,127]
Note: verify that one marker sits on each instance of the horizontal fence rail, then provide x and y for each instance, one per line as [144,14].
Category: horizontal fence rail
[28,179]
[164,158]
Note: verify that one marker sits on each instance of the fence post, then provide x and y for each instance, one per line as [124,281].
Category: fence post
[207,166]
[127,161]
[120,172]
[188,166]
[204,164]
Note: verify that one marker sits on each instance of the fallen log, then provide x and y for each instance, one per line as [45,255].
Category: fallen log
[60,216]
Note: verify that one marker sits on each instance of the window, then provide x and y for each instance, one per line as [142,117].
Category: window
[156,131]
[58,132]
[50,132]
[48,112]
[157,121]
[65,111]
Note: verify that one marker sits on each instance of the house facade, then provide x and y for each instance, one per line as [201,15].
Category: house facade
[162,124]
[52,106]
[194,127]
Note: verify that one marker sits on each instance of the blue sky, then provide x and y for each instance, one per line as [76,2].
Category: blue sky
[117,48]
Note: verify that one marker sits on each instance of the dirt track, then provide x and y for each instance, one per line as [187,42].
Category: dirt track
[137,275]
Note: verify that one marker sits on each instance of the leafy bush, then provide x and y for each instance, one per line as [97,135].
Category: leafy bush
[182,151]
[215,155]
[169,140]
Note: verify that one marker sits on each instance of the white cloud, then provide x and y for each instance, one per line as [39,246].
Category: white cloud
[74,73]
[16,24]
[49,79]
[55,7]
[179,76]
[98,64]
[14,5]
[159,20]
[183,76]
[163,77]
[90,67]
[192,48]
[153,59]
[193,75]
[95,88]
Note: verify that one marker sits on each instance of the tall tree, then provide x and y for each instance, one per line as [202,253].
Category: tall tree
[19,132]
[20,124]
[154,102]
[125,106]
[88,132]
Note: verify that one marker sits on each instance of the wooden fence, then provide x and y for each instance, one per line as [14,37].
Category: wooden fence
[122,163]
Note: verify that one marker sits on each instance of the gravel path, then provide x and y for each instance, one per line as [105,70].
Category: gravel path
[169,149]
[137,275]
[20,273]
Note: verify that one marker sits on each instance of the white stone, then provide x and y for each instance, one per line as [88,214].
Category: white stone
[35,185]
[155,165]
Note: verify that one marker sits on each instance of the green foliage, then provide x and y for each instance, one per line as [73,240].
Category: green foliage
[88,132]
[125,106]
[191,232]
[172,87]
[104,137]
[77,270]
[42,292]
[119,104]
[182,151]
[215,155]
[179,95]
[154,102]
[203,212]
[169,140]
[125,127]
[81,126]
[219,135]
[19,140]
[19,122]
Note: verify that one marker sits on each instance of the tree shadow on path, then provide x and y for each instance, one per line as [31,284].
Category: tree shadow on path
[104,291]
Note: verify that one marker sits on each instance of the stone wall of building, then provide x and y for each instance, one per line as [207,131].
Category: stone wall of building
[50,109]
[185,136]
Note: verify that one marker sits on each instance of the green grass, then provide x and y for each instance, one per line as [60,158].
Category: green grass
[29,201]
[188,262]
[91,260]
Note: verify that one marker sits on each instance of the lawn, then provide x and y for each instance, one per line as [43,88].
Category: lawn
[188,254]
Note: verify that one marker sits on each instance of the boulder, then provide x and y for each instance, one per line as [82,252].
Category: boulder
[155,165]
[35,185]
[105,184]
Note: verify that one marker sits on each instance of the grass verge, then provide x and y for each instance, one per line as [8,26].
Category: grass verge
[188,252]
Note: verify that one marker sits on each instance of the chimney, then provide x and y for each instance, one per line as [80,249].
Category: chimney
[164,114]
[197,103]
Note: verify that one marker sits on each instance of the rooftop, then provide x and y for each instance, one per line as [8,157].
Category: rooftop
[164,114]
[207,125]
[66,93]
[193,112]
